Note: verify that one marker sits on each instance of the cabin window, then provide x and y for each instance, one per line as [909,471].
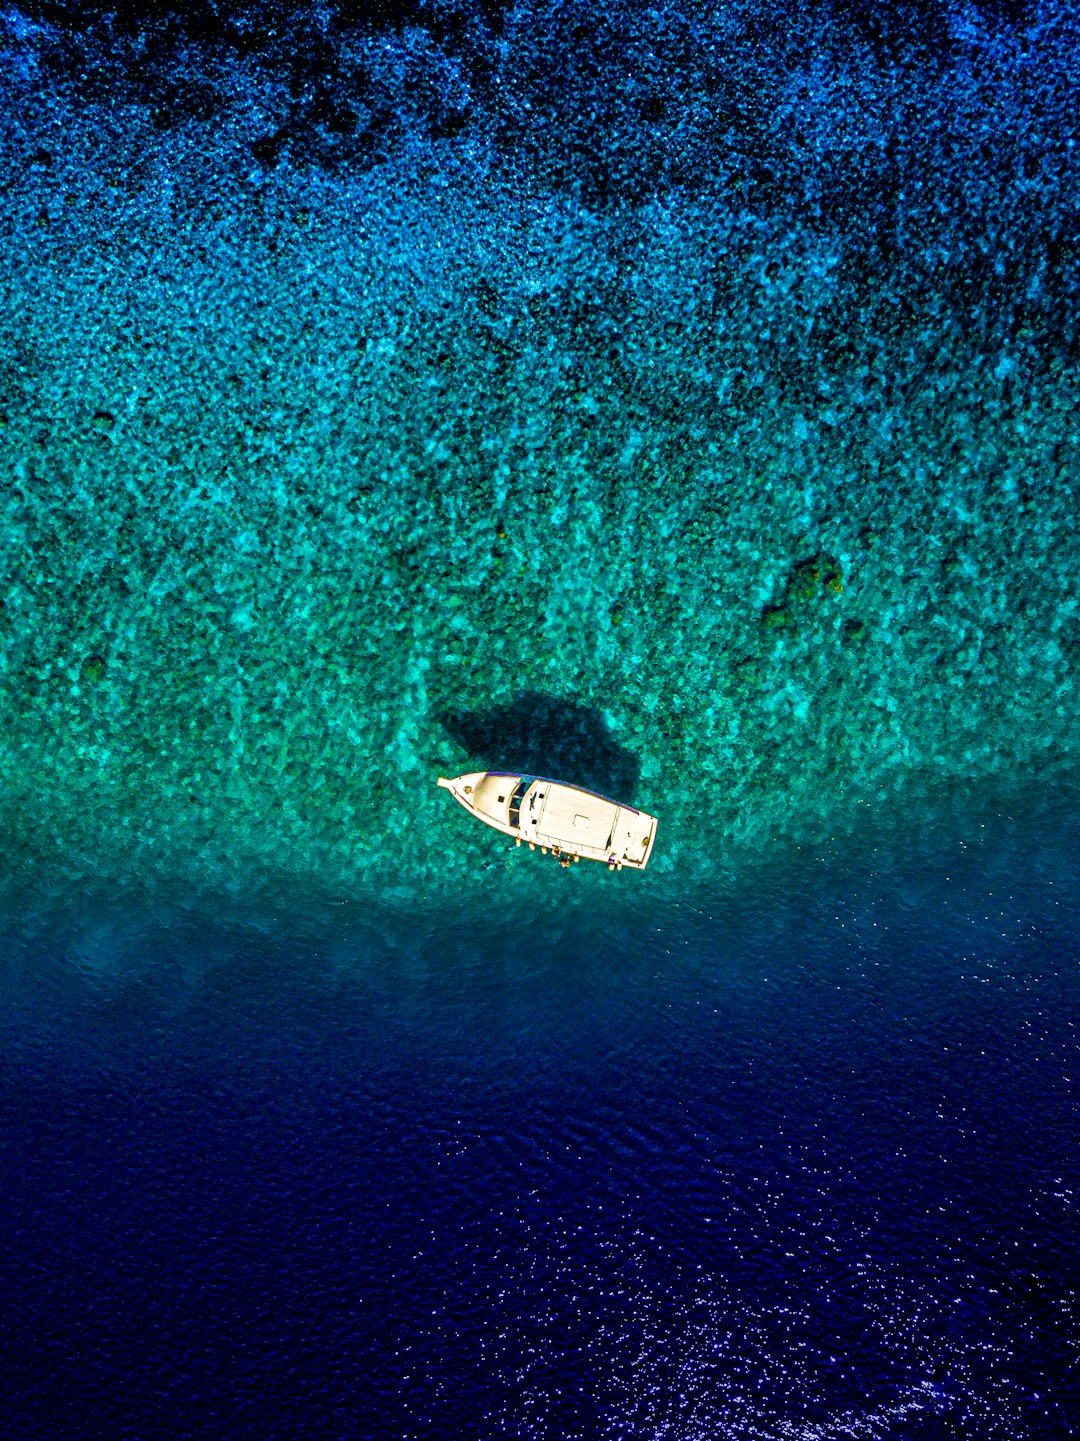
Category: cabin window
[515,801]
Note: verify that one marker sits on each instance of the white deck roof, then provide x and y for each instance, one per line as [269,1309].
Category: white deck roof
[573,818]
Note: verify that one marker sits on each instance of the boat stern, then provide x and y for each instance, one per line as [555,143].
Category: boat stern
[632,839]
[649,841]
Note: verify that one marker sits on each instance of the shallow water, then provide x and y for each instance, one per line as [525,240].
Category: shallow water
[325,475]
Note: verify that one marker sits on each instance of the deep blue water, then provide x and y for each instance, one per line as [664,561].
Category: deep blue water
[793,1158]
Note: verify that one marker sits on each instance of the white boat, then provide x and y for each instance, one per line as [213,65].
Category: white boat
[566,820]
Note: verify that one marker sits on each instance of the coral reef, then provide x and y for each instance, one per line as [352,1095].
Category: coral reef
[360,376]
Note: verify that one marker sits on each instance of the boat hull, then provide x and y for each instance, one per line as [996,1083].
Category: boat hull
[567,820]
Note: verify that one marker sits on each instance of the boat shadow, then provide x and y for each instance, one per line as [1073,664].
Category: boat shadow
[546,735]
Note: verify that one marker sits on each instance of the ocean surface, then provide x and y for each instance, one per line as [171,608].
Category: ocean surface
[794,1157]
[682,402]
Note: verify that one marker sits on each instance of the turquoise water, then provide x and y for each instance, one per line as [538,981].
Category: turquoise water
[303,460]
[683,404]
